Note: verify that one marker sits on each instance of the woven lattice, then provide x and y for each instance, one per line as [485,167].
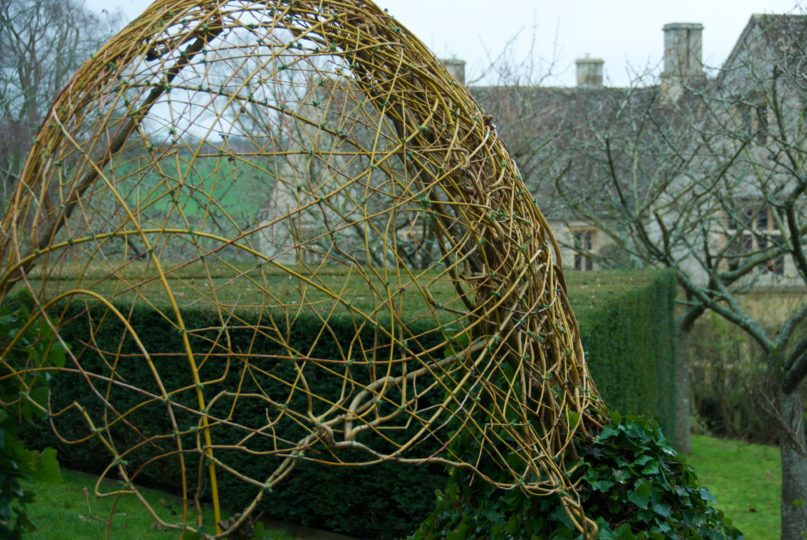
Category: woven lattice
[268,162]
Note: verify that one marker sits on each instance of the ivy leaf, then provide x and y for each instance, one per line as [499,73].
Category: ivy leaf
[606,433]
[460,533]
[39,395]
[641,495]
[260,530]
[56,356]
[494,516]
[652,469]
[602,485]
[663,510]
[48,469]
[706,496]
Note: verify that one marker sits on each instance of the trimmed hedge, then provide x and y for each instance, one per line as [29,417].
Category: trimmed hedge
[626,322]
[627,325]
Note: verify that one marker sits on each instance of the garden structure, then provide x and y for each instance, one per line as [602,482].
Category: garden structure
[297,171]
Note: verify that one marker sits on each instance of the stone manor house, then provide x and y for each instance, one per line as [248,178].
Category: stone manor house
[576,145]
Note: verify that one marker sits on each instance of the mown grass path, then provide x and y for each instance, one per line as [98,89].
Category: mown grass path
[70,510]
[745,479]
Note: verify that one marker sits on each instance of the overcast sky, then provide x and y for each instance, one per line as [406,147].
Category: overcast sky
[625,33]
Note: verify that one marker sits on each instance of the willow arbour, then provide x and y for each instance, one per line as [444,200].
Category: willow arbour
[211,154]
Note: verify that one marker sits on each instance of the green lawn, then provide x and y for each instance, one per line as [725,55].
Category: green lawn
[69,510]
[745,480]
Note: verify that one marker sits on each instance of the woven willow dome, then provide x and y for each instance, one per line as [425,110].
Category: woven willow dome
[270,163]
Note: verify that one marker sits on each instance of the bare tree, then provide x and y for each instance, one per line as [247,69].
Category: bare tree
[42,42]
[707,178]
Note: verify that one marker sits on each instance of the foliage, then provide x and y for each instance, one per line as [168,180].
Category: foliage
[746,481]
[633,485]
[728,381]
[725,373]
[23,397]
[633,303]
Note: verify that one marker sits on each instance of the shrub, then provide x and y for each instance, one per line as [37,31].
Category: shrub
[22,398]
[632,484]
[731,386]
[630,363]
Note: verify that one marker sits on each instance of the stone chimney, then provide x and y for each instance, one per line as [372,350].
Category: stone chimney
[683,60]
[456,67]
[683,50]
[589,72]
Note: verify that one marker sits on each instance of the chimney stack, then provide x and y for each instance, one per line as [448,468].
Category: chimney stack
[683,50]
[683,60]
[455,67]
[589,72]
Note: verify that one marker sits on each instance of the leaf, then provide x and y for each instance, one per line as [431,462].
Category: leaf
[664,510]
[39,395]
[48,468]
[602,485]
[641,495]
[606,433]
[462,340]
[56,356]
[624,532]
[260,531]
[494,516]
[652,469]
[605,532]
[460,533]
[706,495]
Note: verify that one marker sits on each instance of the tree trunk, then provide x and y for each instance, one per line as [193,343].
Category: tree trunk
[794,468]
[683,412]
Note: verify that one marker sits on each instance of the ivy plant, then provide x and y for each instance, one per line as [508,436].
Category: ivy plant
[631,482]
[23,397]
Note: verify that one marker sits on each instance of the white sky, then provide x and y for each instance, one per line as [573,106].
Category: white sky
[625,33]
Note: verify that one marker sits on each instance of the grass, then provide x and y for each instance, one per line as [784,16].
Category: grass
[70,510]
[745,480]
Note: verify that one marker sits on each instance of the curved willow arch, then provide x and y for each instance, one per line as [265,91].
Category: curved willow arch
[267,162]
